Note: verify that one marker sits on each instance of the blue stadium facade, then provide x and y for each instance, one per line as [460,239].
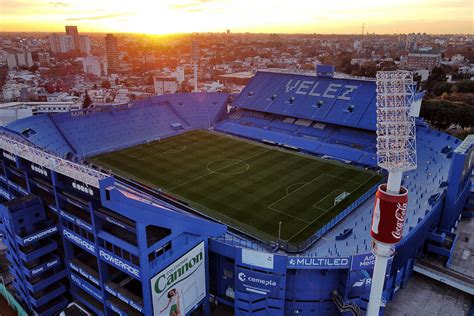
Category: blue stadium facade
[75,232]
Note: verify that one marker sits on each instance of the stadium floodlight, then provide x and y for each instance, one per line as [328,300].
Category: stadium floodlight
[195,60]
[396,152]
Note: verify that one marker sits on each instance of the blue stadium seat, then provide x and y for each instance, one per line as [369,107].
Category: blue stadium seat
[108,128]
[42,131]
[347,102]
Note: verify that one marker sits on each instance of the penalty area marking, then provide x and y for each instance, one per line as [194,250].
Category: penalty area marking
[213,172]
[236,162]
[328,210]
[297,185]
[324,198]
[345,180]
[271,206]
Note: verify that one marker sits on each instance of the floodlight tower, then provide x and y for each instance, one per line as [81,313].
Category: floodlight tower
[195,60]
[396,152]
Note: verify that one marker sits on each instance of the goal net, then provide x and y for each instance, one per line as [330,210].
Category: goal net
[341,197]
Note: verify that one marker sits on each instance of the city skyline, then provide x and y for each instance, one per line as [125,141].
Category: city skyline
[185,16]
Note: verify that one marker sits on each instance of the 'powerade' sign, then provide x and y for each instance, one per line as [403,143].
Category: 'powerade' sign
[40,235]
[363,262]
[318,263]
[119,263]
[257,282]
[79,241]
[182,285]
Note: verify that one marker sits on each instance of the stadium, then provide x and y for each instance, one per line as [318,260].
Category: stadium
[260,201]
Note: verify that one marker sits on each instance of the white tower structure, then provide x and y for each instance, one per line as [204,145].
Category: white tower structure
[195,60]
[396,152]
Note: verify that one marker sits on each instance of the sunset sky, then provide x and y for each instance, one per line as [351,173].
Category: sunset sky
[279,16]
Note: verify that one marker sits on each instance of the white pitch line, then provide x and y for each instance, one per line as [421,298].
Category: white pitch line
[342,179]
[297,218]
[326,197]
[292,185]
[327,210]
[215,171]
[301,187]
[129,156]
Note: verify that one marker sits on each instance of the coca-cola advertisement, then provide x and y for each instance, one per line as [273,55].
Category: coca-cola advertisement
[389,215]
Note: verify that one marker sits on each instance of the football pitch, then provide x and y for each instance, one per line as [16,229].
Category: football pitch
[247,185]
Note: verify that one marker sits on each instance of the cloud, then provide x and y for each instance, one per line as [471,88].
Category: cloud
[59,4]
[192,5]
[11,4]
[99,17]
[195,10]
[184,6]
[452,4]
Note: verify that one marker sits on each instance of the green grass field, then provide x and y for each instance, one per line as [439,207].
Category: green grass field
[247,185]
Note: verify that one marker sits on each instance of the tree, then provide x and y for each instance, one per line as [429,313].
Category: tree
[87,101]
[443,114]
[437,75]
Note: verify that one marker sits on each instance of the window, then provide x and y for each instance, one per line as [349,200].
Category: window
[135,260]
[109,247]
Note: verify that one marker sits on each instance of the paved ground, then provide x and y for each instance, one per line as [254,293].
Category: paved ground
[463,256]
[424,296]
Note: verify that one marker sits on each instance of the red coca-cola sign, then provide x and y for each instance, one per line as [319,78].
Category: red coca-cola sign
[389,215]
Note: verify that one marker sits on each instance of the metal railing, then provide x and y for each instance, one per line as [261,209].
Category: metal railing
[38,156]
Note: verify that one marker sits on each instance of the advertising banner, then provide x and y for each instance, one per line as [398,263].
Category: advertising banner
[79,241]
[359,283]
[389,215]
[117,262]
[257,282]
[360,279]
[363,262]
[318,263]
[257,258]
[182,285]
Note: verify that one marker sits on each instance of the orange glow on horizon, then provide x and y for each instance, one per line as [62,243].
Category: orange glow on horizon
[277,16]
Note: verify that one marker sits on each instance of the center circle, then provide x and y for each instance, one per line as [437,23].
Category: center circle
[227,166]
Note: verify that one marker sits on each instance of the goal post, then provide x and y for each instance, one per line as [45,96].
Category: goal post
[341,197]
